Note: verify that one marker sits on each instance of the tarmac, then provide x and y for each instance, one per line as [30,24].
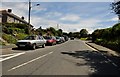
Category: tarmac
[8,49]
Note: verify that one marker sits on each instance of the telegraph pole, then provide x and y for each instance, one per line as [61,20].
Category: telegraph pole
[29,6]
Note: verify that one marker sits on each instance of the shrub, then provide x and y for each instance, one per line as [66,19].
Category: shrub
[2,43]
[9,38]
[21,36]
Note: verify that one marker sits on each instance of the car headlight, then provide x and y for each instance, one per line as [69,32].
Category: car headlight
[28,43]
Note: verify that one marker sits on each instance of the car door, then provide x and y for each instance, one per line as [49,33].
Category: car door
[37,41]
[41,42]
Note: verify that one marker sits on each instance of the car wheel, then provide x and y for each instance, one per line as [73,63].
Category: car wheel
[43,46]
[34,46]
[51,44]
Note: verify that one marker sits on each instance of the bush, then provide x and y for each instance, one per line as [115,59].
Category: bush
[2,43]
[9,38]
[21,36]
[83,38]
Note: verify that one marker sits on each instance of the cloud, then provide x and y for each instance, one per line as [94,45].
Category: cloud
[17,8]
[44,23]
[89,24]
[53,14]
[114,19]
[59,0]
[70,17]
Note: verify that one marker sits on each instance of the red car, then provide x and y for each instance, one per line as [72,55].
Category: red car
[50,40]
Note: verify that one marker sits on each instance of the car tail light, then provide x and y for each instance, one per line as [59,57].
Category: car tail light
[49,40]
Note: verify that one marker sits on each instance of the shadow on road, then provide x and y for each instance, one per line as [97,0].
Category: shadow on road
[101,65]
[24,49]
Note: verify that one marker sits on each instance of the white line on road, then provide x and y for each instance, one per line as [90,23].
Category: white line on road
[7,55]
[3,59]
[29,62]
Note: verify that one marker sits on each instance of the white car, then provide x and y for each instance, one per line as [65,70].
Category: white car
[32,41]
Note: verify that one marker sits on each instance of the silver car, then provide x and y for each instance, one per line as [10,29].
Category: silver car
[32,41]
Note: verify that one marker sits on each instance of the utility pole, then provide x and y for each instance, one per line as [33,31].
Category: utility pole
[29,9]
[29,6]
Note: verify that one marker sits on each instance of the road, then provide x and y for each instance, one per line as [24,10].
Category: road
[73,57]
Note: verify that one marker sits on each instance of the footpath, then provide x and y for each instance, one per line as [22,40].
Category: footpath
[6,49]
[102,49]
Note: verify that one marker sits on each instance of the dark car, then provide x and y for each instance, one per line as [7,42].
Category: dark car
[58,40]
[71,38]
[50,40]
[66,38]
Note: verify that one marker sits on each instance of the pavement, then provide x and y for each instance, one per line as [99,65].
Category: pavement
[7,49]
[102,49]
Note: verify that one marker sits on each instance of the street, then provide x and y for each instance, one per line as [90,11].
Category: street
[73,57]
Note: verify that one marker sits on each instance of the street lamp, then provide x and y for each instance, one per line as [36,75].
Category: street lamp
[30,13]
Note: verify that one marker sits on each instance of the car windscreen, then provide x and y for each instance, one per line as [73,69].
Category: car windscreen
[57,37]
[48,38]
[30,38]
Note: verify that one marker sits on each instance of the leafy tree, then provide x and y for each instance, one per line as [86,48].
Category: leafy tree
[76,34]
[83,33]
[70,34]
[116,7]
[59,32]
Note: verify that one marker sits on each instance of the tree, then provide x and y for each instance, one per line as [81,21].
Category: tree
[70,34]
[76,34]
[116,7]
[83,33]
[60,32]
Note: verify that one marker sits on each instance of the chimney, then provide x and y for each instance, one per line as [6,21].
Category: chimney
[9,10]
[22,17]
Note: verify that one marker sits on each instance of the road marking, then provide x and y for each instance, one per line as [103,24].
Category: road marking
[1,59]
[7,55]
[29,62]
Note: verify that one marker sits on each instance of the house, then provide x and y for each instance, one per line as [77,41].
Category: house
[6,16]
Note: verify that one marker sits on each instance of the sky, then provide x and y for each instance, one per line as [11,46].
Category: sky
[70,16]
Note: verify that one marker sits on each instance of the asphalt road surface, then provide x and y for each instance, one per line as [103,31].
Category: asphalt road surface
[73,57]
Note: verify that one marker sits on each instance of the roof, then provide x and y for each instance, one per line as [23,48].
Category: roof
[14,16]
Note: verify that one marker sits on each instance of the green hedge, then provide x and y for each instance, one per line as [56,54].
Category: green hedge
[9,38]
[21,36]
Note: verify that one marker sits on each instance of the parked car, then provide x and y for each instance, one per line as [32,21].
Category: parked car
[32,41]
[66,37]
[50,40]
[58,40]
[62,39]
[71,38]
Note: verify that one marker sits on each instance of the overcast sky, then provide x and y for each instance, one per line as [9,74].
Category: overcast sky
[71,16]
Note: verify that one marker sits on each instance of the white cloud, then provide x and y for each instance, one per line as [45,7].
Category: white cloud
[59,0]
[88,24]
[37,21]
[114,19]
[39,8]
[17,8]
[53,14]
[45,23]
[70,17]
